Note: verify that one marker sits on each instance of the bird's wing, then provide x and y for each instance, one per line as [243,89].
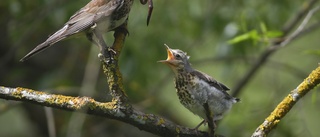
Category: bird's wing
[82,20]
[212,82]
[90,14]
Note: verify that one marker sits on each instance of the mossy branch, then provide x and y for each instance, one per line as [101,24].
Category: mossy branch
[111,67]
[148,122]
[287,103]
[119,108]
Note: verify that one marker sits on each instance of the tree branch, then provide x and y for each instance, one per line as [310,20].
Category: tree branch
[286,39]
[111,68]
[290,25]
[147,122]
[287,103]
[119,108]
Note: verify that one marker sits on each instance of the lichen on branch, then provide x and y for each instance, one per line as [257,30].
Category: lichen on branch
[119,108]
[287,103]
[111,70]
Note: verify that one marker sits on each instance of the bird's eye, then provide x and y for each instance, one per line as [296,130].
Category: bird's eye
[177,56]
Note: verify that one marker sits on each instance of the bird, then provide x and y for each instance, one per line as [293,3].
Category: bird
[95,18]
[197,91]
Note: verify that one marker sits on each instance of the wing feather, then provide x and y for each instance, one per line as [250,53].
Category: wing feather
[212,82]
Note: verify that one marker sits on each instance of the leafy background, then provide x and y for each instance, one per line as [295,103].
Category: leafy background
[223,39]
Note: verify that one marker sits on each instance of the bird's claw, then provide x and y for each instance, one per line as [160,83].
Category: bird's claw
[107,55]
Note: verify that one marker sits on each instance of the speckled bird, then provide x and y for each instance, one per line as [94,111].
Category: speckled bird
[196,90]
[94,19]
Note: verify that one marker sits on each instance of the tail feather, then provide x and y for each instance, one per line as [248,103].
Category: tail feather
[56,37]
[237,100]
[36,50]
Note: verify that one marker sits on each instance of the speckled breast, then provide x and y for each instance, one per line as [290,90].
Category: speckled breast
[183,85]
[121,14]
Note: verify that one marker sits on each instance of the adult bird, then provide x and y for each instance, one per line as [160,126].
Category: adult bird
[197,91]
[95,18]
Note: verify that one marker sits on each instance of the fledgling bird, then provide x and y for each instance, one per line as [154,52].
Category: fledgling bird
[94,19]
[197,91]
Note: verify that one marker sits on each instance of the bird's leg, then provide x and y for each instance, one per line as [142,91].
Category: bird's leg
[89,36]
[214,125]
[97,38]
[150,3]
[209,115]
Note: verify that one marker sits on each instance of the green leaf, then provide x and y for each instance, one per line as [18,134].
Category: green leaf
[274,34]
[263,28]
[251,35]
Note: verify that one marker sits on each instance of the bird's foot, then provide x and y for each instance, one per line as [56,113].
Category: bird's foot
[107,55]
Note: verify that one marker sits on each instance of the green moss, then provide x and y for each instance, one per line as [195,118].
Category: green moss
[161,121]
[178,130]
[145,118]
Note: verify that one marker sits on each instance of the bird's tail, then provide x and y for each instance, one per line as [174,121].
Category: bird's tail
[36,50]
[235,100]
[54,38]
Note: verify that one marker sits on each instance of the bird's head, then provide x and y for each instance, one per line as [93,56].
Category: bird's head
[177,60]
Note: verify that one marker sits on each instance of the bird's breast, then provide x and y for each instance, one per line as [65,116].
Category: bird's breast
[184,85]
[117,18]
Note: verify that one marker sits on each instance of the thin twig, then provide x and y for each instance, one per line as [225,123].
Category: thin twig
[296,19]
[50,122]
[300,27]
[269,51]
[88,85]
[311,27]
[210,121]
[111,67]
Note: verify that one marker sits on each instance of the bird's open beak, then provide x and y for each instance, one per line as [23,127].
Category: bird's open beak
[170,56]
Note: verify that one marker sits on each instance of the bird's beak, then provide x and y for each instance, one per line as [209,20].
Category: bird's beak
[170,56]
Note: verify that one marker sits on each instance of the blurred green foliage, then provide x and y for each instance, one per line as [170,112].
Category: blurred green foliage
[253,35]
[223,39]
